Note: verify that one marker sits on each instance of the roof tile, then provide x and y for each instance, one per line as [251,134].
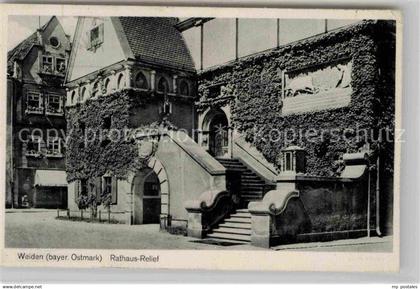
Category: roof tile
[156,40]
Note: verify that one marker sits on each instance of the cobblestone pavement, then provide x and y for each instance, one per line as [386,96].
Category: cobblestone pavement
[32,228]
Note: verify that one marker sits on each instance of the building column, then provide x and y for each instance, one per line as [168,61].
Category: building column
[128,75]
[152,80]
[174,83]
[113,81]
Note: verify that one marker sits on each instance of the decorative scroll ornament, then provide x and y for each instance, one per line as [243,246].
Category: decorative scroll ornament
[147,148]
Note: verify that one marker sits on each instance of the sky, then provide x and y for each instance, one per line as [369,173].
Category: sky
[21,27]
[219,35]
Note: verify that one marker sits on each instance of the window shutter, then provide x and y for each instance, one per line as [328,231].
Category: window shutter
[98,186]
[114,190]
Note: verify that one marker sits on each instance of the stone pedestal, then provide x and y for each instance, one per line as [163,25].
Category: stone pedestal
[195,225]
[260,228]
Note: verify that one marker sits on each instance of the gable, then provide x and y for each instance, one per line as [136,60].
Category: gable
[85,59]
[55,30]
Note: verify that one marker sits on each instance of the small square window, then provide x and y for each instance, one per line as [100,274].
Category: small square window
[54,146]
[47,64]
[60,65]
[34,102]
[54,104]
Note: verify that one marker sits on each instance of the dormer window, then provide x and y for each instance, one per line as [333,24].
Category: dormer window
[96,36]
[55,105]
[34,103]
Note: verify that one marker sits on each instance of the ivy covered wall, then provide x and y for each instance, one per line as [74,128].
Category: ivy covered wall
[254,84]
[100,132]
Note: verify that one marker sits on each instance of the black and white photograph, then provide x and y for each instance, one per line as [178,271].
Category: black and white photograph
[156,132]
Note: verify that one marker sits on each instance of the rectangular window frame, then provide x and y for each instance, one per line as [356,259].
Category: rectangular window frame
[34,139]
[49,109]
[48,66]
[110,183]
[56,150]
[99,39]
[39,109]
[56,60]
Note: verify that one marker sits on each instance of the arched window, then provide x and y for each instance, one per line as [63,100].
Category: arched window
[184,89]
[107,85]
[141,81]
[73,97]
[163,85]
[95,89]
[83,95]
[121,83]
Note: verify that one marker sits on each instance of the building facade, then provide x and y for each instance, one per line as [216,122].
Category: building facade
[223,152]
[36,119]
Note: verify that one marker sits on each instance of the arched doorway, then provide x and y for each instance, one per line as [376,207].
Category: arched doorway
[147,197]
[219,135]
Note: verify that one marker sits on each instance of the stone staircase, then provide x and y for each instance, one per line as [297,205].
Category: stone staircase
[249,187]
[235,229]
[252,187]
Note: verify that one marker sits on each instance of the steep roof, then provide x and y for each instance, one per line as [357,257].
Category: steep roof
[156,40]
[21,50]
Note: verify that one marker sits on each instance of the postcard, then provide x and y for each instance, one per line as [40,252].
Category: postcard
[200,138]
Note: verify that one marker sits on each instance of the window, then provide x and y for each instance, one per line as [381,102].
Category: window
[33,147]
[121,83]
[54,42]
[141,81]
[54,104]
[96,36]
[54,146]
[83,94]
[107,85]
[107,122]
[184,88]
[166,108]
[110,187]
[47,64]
[34,102]
[95,89]
[72,97]
[288,161]
[83,187]
[60,65]
[163,85]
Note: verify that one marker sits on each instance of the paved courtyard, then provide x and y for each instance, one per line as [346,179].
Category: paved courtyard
[39,229]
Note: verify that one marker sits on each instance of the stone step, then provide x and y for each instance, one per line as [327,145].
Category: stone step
[238,220]
[233,237]
[254,180]
[241,215]
[242,211]
[236,231]
[251,186]
[236,225]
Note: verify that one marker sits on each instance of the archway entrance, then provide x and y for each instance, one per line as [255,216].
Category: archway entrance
[147,197]
[219,135]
